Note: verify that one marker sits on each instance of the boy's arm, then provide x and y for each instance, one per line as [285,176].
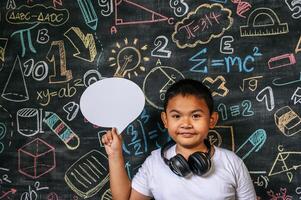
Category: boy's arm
[245,189]
[119,182]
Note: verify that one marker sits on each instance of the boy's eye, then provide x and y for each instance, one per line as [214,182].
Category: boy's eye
[175,116]
[196,116]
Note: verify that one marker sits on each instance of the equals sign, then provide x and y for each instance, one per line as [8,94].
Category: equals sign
[217,63]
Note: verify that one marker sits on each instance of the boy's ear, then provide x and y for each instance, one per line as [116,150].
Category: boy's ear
[213,119]
[164,119]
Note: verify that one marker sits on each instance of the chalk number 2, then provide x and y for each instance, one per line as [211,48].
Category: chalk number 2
[160,51]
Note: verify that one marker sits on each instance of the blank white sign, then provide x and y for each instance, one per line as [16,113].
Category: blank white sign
[112,102]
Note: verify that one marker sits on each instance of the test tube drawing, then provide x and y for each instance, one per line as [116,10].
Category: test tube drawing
[62,130]
[29,121]
[253,143]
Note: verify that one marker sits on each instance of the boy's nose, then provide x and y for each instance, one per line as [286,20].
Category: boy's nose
[186,123]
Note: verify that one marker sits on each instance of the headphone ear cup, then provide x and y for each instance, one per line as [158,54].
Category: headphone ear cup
[179,165]
[199,163]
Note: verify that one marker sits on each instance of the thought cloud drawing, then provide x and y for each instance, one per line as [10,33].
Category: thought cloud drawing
[200,26]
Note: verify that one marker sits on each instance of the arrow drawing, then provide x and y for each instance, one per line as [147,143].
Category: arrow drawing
[12,190]
[87,44]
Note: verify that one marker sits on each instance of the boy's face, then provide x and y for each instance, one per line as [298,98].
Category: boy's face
[188,120]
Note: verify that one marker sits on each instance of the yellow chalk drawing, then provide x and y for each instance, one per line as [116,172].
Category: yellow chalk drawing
[288,122]
[222,89]
[37,13]
[87,40]
[217,134]
[286,162]
[57,55]
[88,174]
[3,43]
[208,21]
[128,58]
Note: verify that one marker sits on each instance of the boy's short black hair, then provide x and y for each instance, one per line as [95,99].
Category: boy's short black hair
[189,87]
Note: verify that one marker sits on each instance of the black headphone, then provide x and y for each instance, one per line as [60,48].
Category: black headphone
[198,163]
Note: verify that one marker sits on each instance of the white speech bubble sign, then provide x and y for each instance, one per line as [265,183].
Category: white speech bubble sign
[112,102]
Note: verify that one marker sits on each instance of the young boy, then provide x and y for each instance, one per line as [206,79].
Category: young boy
[189,169]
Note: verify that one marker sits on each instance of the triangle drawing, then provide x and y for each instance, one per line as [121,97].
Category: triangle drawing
[128,12]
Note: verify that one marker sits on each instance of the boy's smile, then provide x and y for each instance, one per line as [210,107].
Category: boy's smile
[188,121]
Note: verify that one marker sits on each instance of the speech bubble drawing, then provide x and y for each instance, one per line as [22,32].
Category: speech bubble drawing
[112,102]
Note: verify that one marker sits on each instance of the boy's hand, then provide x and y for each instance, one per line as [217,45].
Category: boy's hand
[112,142]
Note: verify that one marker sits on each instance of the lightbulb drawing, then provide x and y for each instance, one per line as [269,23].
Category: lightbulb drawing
[128,59]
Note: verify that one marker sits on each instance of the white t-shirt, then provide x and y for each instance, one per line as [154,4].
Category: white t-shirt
[228,179]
